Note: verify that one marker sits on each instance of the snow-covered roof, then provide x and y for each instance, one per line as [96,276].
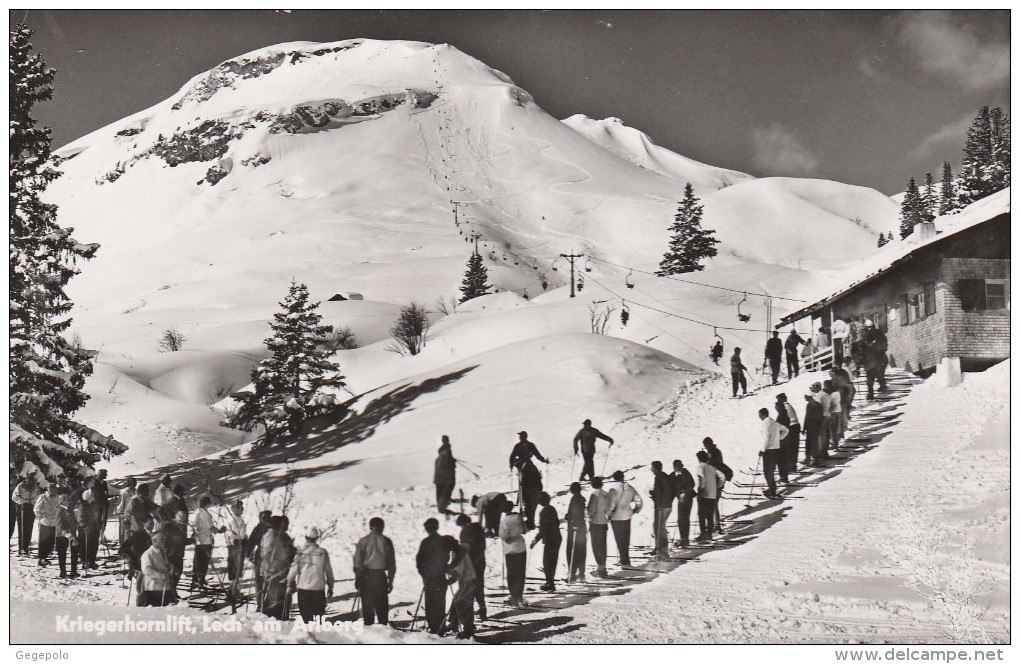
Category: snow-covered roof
[896,253]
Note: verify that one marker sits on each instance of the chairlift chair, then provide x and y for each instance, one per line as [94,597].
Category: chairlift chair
[624,313]
[627,279]
[742,317]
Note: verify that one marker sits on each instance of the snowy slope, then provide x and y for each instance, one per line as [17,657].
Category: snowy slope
[635,146]
[335,164]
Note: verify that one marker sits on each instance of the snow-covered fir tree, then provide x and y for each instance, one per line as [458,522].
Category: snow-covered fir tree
[882,241]
[947,193]
[911,209]
[998,171]
[985,167]
[689,243]
[929,199]
[476,278]
[47,371]
[297,371]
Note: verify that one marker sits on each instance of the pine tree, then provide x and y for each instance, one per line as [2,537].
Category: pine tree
[475,278]
[947,196]
[998,170]
[47,372]
[690,243]
[911,209]
[882,241]
[929,198]
[296,371]
[977,159]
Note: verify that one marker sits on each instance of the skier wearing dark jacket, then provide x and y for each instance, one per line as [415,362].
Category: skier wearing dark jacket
[432,560]
[577,536]
[685,490]
[445,476]
[737,370]
[774,355]
[524,450]
[531,486]
[792,357]
[549,533]
[662,499]
[813,420]
[472,536]
[586,437]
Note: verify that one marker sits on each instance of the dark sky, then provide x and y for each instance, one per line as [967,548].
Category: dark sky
[864,97]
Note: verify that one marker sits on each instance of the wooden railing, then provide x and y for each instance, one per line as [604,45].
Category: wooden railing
[820,359]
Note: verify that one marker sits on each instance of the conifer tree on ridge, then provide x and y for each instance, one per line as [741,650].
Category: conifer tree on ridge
[690,243]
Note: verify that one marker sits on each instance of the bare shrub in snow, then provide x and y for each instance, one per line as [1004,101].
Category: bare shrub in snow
[599,317]
[341,338]
[411,329]
[446,306]
[171,341]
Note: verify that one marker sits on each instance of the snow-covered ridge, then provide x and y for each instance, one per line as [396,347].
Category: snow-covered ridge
[635,146]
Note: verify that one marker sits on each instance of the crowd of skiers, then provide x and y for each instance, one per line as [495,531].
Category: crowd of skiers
[156,525]
[855,344]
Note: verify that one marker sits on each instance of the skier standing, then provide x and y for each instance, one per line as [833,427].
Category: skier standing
[87,515]
[813,422]
[24,497]
[875,359]
[737,370]
[203,529]
[253,549]
[462,572]
[549,534]
[374,568]
[123,508]
[577,538]
[445,476]
[840,331]
[277,555]
[824,433]
[431,562]
[524,450]
[772,433]
[787,416]
[774,355]
[163,492]
[624,503]
[311,576]
[154,584]
[67,535]
[531,486]
[685,490]
[715,458]
[662,500]
[586,437]
[176,532]
[511,532]
[237,539]
[710,480]
[46,507]
[598,525]
[792,360]
[472,536]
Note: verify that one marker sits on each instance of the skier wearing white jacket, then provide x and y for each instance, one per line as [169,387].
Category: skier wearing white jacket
[203,528]
[624,503]
[710,481]
[311,575]
[772,434]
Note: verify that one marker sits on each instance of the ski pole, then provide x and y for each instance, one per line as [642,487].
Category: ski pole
[417,608]
[605,461]
[130,584]
[573,464]
[462,465]
[754,478]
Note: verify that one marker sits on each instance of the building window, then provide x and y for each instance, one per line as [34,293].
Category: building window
[918,304]
[984,294]
[996,294]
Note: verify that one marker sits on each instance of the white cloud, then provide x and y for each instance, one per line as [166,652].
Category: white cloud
[949,48]
[777,151]
[949,137]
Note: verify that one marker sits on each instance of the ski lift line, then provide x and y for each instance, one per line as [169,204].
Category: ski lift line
[696,283]
[667,313]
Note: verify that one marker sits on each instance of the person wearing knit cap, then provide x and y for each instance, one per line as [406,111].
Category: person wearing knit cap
[311,575]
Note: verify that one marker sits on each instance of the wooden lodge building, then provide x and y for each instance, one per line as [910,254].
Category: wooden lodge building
[942,292]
